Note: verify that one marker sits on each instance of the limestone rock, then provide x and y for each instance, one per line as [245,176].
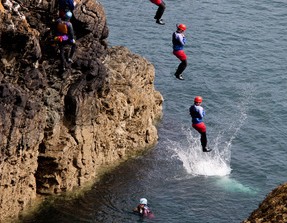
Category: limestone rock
[60,130]
[273,209]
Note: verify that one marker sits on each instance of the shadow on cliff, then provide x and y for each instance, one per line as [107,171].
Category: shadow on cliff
[86,76]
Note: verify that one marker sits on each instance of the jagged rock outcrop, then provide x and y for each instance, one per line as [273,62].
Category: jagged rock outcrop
[60,130]
[273,209]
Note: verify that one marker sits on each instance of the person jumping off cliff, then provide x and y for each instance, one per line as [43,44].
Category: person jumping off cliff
[160,11]
[65,36]
[178,41]
[197,113]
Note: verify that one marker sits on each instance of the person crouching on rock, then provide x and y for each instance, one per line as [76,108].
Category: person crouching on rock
[65,36]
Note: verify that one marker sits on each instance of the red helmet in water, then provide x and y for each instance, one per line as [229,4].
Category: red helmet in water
[198,99]
[181,27]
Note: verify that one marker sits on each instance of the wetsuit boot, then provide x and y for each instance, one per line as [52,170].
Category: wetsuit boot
[181,67]
[205,149]
[203,140]
[159,21]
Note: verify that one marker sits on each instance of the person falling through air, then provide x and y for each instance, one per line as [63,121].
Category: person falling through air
[160,11]
[197,113]
[178,41]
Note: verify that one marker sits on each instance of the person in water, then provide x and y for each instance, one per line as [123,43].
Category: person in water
[160,11]
[178,41]
[142,209]
[197,113]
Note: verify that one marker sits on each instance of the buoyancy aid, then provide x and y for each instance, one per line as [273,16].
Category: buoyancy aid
[62,27]
[196,113]
[178,41]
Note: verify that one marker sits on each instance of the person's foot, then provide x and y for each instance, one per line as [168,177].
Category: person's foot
[179,76]
[159,21]
[70,60]
[206,150]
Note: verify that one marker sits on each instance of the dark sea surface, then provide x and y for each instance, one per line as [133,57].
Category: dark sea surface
[237,61]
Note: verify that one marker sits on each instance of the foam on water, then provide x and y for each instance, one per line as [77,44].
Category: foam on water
[216,162]
[195,162]
[233,185]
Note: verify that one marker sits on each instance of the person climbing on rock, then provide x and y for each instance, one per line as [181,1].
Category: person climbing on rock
[197,113]
[64,37]
[178,41]
[142,209]
[65,6]
[160,11]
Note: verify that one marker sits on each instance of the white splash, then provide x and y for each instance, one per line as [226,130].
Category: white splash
[216,162]
[196,162]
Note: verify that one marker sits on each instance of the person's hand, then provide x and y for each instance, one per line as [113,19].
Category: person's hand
[58,39]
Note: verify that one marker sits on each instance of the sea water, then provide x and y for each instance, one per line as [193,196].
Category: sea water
[237,61]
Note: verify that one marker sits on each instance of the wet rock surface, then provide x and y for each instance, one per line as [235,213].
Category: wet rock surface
[273,209]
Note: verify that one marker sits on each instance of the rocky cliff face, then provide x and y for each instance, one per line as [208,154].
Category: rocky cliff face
[60,130]
[273,209]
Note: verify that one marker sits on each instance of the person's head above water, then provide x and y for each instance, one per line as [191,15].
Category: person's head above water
[143,201]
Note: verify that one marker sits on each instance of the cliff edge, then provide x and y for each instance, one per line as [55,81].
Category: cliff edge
[273,209]
[60,130]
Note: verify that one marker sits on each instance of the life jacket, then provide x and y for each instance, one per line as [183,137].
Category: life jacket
[143,211]
[196,113]
[62,27]
[176,42]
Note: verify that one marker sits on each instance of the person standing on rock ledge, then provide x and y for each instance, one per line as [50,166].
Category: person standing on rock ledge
[160,11]
[65,36]
[197,113]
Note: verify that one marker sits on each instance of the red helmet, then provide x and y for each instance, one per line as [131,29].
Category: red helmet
[181,27]
[198,99]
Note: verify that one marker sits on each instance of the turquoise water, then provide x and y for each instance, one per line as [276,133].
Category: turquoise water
[237,61]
